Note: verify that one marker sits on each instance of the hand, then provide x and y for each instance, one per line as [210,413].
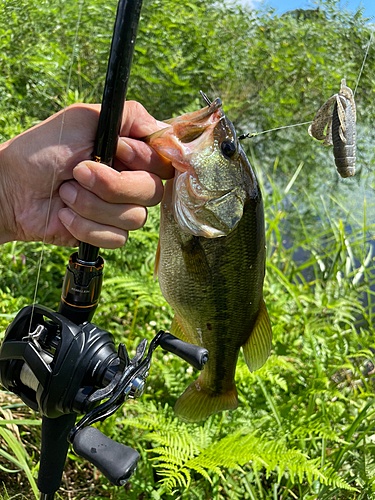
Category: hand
[90,202]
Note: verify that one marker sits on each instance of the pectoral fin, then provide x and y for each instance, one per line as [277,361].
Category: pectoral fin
[177,330]
[257,347]
[157,260]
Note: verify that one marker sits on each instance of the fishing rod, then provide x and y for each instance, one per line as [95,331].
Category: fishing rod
[61,364]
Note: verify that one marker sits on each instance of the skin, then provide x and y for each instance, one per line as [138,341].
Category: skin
[90,202]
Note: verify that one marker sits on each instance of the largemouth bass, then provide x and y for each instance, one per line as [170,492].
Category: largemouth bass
[211,255]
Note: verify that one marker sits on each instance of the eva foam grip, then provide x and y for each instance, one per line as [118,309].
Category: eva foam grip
[53,451]
[116,461]
[196,356]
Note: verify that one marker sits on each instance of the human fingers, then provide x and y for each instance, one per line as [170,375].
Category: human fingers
[124,216]
[135,187]
[133,154]
[91,232]
[137,121]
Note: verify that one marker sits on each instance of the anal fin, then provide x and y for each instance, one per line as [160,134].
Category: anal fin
[257,347]
[197,403]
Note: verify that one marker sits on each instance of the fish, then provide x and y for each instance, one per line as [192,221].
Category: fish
[211,254]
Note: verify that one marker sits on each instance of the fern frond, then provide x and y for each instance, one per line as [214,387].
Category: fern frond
[174,477]
[316,428]
[271,371]
[143,288]
[180,448]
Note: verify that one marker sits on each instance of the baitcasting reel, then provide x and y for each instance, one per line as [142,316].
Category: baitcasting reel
[61,368]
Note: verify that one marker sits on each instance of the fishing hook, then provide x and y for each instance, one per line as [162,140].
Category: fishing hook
[205,98]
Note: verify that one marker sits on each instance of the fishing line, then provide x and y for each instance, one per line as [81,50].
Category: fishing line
[254,134]
[363,63]
[56,160]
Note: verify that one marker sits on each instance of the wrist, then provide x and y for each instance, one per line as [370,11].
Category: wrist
[7,219]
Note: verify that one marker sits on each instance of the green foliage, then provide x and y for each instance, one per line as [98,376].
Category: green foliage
[304,428]
[20,459]
[182,449]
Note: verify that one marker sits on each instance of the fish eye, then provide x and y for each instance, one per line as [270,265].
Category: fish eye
[228,148]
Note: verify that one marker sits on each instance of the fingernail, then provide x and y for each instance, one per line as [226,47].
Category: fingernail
[84,175]
[66,216]
[125,152]
[68,193]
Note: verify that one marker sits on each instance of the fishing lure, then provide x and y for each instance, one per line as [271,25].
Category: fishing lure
[338,128]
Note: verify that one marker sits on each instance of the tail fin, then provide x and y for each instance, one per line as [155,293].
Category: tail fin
[198,403]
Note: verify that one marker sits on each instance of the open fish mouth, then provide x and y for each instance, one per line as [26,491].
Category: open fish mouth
[190,126]
[188,134]
[206,199]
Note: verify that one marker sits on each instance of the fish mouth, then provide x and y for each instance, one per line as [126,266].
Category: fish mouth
[186,135]
[202,205]
[187,128]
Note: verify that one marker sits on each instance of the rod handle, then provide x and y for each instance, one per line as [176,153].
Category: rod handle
[53,452]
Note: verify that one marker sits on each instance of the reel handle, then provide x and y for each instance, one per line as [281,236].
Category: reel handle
[116,461]
[196,356]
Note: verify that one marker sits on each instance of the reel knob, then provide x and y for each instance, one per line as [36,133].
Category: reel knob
[115,460]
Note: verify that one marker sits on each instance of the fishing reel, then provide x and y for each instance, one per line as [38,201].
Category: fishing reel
[59,368]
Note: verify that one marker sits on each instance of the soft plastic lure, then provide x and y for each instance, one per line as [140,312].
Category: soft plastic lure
[338,128]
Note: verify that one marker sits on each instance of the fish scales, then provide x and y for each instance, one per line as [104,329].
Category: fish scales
[218,281]
[211,255]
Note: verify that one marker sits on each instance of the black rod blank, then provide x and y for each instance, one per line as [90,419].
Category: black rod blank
[116,84]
